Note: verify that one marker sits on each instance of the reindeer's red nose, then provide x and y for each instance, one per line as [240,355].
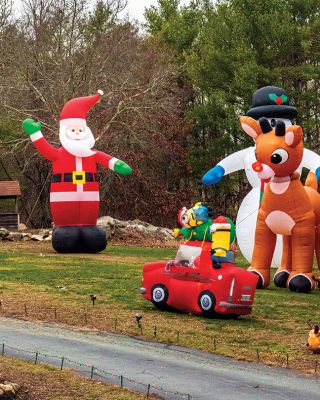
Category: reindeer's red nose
[257,166]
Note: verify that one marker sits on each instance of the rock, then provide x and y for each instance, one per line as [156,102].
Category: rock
[138,222]
[44,233]
[3,233]
[13,236]
[133,229]
[22,227]
[37,238]
[108,225]
[153,230]
[139,229]
[166,233]
[8,388]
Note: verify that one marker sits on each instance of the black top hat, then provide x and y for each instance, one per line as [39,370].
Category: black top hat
[271,102]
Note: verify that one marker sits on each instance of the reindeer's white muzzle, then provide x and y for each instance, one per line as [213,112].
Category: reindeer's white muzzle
[263,170]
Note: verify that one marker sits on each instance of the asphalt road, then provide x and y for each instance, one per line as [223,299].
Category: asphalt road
[204,376]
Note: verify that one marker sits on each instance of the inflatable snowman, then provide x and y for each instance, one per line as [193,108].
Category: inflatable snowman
[272,103]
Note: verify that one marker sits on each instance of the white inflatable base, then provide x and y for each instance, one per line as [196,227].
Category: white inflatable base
[246,227]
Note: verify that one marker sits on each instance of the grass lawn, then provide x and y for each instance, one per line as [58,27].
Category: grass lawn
[57,287]
[44,382]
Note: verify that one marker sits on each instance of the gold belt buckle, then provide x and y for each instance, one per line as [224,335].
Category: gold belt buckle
[78,177]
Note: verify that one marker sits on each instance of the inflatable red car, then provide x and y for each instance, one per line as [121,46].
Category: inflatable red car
[192,283]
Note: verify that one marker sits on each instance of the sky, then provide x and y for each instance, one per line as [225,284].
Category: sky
[136,7]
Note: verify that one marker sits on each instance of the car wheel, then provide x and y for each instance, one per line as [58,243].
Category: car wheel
[159,295]
[207,302]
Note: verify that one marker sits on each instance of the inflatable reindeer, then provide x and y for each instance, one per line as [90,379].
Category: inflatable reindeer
[288,208]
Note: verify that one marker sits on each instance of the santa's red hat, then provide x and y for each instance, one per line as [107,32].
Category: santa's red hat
[75,110]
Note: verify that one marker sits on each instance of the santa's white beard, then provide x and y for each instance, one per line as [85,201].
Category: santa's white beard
[78,148]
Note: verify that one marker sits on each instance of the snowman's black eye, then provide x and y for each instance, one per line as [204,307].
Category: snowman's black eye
[72,130]
[273,122]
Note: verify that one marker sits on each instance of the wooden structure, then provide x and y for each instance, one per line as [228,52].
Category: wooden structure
[9,190]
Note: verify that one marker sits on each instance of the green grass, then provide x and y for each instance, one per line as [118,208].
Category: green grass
[34,274]
[116,281]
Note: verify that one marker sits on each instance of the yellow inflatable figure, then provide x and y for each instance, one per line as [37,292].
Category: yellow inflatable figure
[221,252]
[221,236]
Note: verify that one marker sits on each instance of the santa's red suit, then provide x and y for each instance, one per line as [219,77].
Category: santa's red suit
[74,193]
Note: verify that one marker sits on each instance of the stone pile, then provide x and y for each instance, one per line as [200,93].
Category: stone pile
[114,228]
[122,230]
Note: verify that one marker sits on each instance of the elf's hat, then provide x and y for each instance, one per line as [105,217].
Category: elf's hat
[76,109]
[180,214]
[271,102]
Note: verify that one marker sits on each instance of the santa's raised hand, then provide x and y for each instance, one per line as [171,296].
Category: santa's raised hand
[74,193]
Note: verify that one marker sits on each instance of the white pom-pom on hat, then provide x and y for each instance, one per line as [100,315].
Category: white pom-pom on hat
[100,92]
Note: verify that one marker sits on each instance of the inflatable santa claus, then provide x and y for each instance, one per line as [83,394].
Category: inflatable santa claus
[74,193]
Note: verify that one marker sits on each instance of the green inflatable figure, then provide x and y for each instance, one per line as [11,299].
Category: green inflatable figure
[196,223]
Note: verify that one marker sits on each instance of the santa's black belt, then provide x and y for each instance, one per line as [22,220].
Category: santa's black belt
[74,177]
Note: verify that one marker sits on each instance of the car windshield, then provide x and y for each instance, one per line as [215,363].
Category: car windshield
[187,254]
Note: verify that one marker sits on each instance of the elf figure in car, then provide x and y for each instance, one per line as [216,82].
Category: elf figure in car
[74,192]
[196,223]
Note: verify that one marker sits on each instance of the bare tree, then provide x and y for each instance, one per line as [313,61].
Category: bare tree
[62,49]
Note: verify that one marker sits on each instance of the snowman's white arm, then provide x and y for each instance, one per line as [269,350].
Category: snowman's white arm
[235,162]
[310,160]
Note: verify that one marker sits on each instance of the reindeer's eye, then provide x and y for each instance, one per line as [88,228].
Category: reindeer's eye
[279,156]
[273,122]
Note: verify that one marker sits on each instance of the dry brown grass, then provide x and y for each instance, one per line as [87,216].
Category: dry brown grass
[41,382]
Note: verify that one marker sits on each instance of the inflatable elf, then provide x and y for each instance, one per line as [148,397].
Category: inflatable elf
[196,223]
[74,193]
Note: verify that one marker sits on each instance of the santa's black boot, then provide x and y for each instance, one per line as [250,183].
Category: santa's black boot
[65,239]
[93,239]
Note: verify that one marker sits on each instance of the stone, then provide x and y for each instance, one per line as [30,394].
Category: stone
[8,388]
[37,238]
[13,236]
[166,233]
[44,233]
[108,225]
[133,229]
[3,233]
